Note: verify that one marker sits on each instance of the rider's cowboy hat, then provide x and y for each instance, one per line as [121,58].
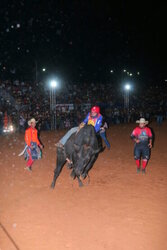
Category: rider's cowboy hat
[32,120]
[142,120]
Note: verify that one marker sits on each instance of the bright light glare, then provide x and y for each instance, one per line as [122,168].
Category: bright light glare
[53,84]
[11,128]
[124,70]
[8,129]
[112,71]
[127,87]
[44,69]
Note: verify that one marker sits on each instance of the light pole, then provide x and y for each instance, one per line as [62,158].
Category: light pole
[53,86]
[36,71]
[127,88]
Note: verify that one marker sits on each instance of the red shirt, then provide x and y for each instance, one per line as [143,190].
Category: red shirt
[142,134]
[31,135]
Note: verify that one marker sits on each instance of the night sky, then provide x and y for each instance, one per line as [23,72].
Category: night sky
[83,40]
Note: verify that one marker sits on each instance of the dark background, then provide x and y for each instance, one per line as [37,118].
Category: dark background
[83,40]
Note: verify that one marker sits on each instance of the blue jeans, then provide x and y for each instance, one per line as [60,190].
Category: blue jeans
[103,136]
[64,139]
[159,119]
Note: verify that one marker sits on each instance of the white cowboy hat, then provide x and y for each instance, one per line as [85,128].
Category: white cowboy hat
[32,120]
[142,120]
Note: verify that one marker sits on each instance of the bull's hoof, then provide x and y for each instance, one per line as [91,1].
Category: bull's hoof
[84,175]
[73,175]
[52,185]
[80,184]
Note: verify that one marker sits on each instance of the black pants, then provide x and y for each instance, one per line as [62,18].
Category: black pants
[141,150]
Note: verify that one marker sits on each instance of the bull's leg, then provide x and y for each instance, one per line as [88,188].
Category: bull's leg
[73,174]
[57,171]
[89,166]
[61,159]
[79,182]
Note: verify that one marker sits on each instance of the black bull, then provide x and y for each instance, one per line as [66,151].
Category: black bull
[82,149]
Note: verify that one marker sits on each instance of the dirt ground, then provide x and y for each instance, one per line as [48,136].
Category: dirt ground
[118,210]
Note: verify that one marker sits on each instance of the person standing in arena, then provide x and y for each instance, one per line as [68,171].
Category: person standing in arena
[142,137]
[5,120]
[32,144]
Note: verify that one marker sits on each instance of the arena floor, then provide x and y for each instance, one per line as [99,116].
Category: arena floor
[118,210]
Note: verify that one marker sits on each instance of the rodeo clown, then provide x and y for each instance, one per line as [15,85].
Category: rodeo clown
[33,147]
[142,137]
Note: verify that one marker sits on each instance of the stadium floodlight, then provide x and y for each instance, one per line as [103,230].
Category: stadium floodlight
[127,87]
[124,70]
[111,71]
[53,84]
[11,128]
[53,87]
[43,69]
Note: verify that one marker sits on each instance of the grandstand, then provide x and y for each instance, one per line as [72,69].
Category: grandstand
[22,100]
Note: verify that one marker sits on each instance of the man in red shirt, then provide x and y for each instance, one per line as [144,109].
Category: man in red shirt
[32,144]
[142,137]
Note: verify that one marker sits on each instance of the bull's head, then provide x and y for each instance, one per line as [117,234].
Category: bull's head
[82,157]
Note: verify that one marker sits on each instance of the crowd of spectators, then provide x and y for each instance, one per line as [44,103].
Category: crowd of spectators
[23,100]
